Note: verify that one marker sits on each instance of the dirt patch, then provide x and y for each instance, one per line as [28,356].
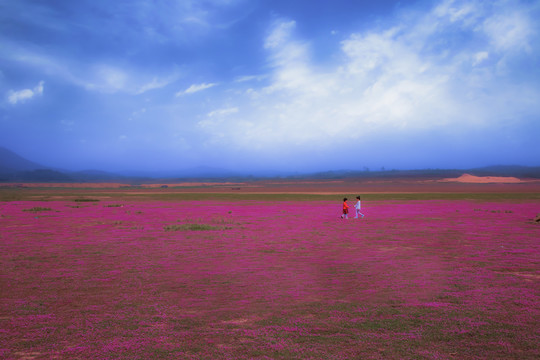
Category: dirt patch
[467,178]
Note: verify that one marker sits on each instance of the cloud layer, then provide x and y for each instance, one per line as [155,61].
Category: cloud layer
[446,71]
[249,85]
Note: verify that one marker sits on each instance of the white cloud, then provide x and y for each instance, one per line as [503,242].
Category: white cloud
[408,78]
[280,34]
[223,112]
[94,76]
[369,51]
[15,97]
[156,83]
[108,78]
[248,78]
[112,79]
[510,31]
[479,57]
[195,88]
[215,119]
[456,11]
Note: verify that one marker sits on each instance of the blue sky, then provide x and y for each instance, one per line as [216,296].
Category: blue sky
[281,85]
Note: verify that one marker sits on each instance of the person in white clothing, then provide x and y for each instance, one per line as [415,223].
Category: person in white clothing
[358,206]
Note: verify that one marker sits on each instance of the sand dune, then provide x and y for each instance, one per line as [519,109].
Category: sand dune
[467,178]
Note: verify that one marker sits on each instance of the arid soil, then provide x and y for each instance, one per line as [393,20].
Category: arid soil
[467,178]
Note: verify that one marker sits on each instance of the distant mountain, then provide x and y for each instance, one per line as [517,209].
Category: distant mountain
[511,170]
[15,168]
[199,172]
[97,176]
[42,176]
[11,162]
[508,170]
[206,172]
[386,174]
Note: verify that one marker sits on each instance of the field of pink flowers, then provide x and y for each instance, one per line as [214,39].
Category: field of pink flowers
[422,279]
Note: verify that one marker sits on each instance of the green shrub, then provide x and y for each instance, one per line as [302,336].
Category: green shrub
[193,227]
[38,208]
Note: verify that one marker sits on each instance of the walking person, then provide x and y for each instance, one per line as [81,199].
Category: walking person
[345,209]
[357,207]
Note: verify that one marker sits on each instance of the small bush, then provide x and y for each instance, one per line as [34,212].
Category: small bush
[85,200]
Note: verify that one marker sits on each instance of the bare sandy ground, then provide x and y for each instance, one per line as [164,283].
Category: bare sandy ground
[467,178]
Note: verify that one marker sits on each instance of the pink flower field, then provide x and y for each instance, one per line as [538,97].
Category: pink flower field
[415,279]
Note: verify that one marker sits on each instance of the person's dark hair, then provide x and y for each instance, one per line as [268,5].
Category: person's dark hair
[344,199]
[358,197]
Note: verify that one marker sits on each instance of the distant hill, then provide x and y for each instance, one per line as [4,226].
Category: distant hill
[199,172]
[11,162]
[42,176]
[98,176]
[15,168]
[524,172]
[508,170]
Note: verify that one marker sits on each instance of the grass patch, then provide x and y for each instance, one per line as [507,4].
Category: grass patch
[183,324]
[89,195]
[38,208]
[194,227]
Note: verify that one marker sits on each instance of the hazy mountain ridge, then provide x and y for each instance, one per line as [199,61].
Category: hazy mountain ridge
[15,168]
[525,172]
[12,162]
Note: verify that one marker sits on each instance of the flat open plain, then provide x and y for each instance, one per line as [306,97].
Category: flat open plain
[267,270]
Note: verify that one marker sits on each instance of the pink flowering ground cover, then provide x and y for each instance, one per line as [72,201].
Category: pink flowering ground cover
[422,279]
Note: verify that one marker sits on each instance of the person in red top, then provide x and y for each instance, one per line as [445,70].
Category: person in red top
[345,209]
